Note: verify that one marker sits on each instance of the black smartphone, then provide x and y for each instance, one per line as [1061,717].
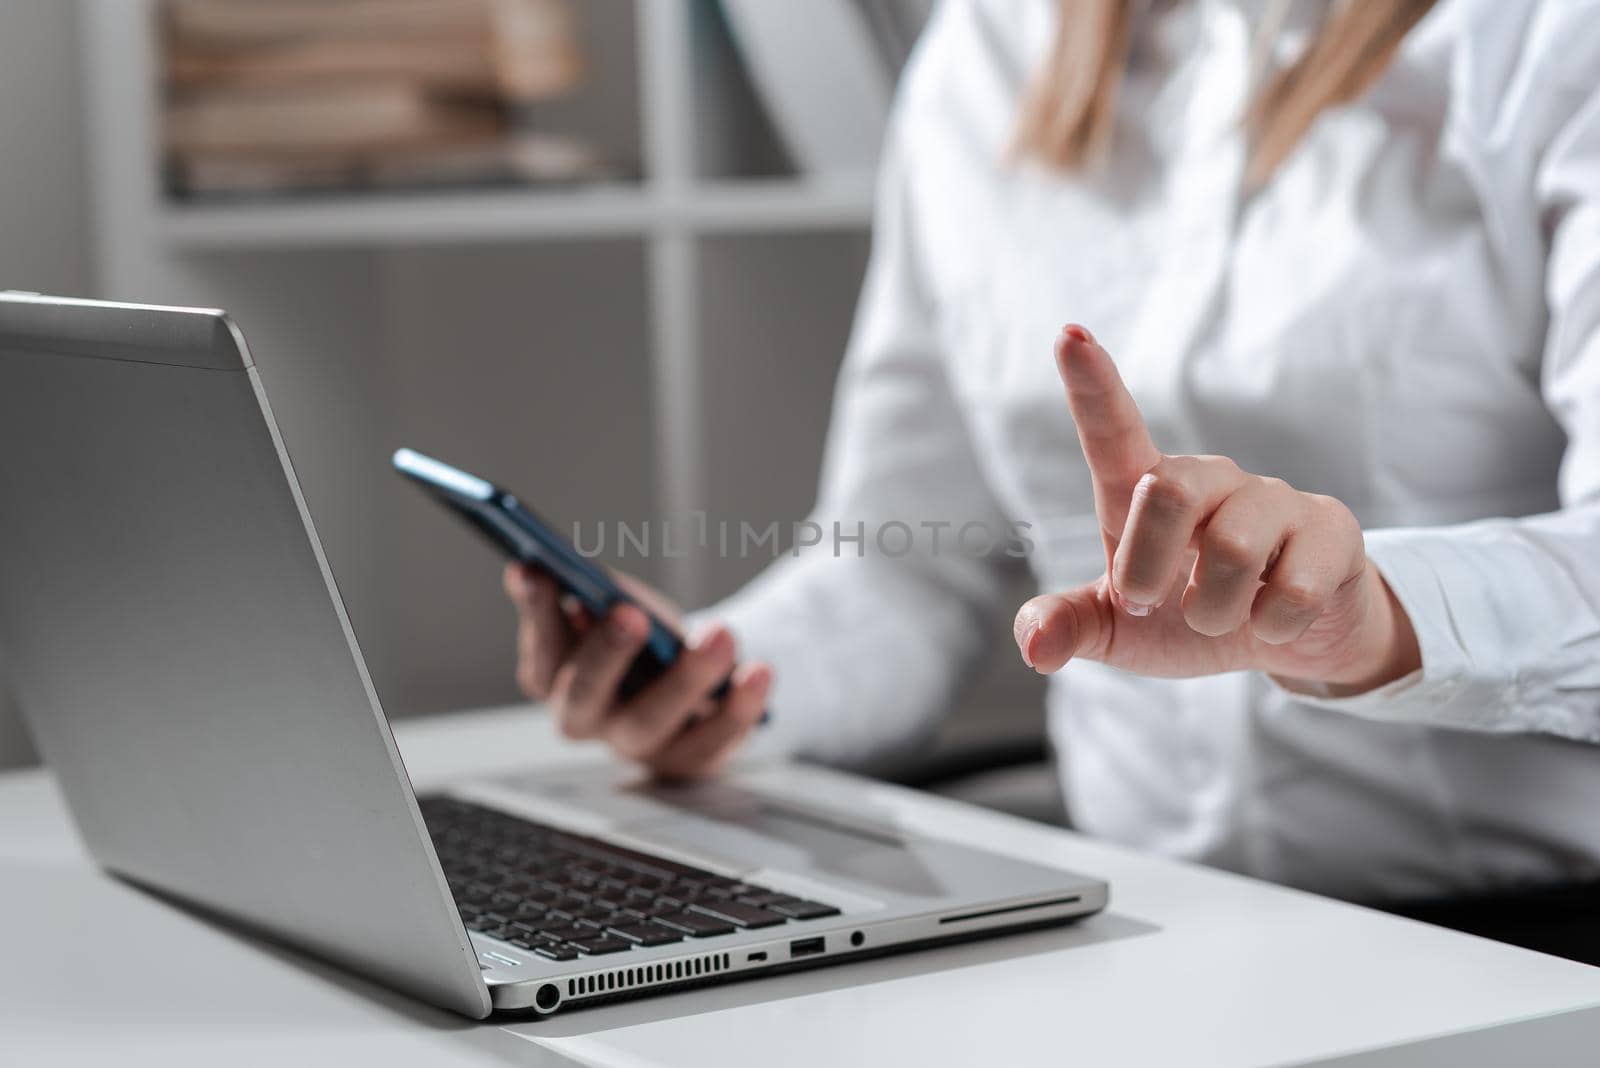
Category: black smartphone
[524,537]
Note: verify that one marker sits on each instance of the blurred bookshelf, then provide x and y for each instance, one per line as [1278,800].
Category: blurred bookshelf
[686,89]
[560,336]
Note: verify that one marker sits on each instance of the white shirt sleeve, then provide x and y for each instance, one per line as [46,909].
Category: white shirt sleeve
[869,642]
[1507,611]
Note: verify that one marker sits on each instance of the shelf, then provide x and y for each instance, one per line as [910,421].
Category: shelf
[390,219]
[754,205]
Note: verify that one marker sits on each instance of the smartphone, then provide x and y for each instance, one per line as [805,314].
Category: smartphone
[527,539]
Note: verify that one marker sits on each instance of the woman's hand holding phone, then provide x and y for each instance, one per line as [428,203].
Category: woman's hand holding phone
[1210,568]
[674,726]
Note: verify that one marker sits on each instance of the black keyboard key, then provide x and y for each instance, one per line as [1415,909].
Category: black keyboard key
[647,934]
[735,913]
[556,951]
[511,877]
[803,910]
[695,924]
[568,934]
[602,944]
[762,900]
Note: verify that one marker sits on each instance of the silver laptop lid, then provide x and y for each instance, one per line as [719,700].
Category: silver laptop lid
[182,654]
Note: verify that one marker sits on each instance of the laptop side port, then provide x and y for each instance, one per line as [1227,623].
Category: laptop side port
[806,947]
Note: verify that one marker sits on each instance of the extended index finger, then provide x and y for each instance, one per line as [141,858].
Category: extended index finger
[1112,432]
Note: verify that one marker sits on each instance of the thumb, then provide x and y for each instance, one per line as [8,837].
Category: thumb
[1053,628]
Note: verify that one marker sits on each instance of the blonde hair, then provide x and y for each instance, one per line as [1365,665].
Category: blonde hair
[1069,112]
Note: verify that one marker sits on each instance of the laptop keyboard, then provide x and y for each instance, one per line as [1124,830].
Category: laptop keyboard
[563,895]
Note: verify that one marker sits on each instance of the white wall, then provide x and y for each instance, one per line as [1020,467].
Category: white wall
[43,233]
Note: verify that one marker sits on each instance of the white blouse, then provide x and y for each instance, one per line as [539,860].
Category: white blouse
[1407,317]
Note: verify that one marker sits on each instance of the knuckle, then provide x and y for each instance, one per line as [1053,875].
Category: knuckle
[1224,464]
[1274,485]
[1332,511]
[1230,548]
[1299,596]
[1176,466]
[1167,492]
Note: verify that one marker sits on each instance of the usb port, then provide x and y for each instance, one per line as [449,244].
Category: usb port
[753,957]
[805,947]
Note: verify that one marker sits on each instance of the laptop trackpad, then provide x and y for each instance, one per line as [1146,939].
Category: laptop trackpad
[760,832]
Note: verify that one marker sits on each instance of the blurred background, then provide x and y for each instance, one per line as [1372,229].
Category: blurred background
[603,251]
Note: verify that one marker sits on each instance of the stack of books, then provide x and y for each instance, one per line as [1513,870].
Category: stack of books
[291,95]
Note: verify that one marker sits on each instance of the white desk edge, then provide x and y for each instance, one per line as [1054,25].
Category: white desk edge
[1189,966]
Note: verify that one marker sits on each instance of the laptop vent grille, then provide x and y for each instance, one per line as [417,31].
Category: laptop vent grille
[671,971]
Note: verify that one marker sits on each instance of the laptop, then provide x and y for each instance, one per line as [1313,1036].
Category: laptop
[188,669]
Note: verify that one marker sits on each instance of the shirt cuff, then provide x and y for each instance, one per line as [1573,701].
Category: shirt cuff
[782,736]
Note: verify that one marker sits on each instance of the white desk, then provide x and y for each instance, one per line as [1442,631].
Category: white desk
[1189,967]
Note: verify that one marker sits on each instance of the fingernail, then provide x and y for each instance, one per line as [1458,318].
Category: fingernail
[625,624]
[761,678]
[712,638]
[1134,608]
[1025,635]
[1077,333]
